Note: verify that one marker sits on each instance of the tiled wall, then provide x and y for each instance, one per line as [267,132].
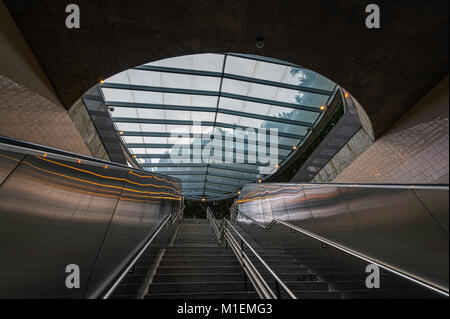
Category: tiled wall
[414,150]
[360,142]
[28,116]
[82,120]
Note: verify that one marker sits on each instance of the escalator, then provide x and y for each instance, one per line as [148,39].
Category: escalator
[123,229]
[67,217]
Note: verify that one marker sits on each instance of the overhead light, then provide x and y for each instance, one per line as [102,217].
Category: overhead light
[239,192]
[259,180]
[121,132]
[346,95]
[203,199]
[102,81]
[260,43]
[278,166]
[322,107]
[45,155]
[295,147]
[134,156]
[106,166]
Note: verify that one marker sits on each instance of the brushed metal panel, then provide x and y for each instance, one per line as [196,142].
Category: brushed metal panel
[400,232]
[8,161]
[387,223]
[436,203]
[140,210]
[51,216]
[332,217]
[299,210]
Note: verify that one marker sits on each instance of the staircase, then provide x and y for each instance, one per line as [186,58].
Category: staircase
[310,277]
[298,278]
[195,267]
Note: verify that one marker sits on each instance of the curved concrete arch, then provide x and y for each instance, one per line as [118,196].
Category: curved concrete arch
[387,70]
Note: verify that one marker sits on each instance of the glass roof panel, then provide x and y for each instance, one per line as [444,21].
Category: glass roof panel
[204,62]
[204,118]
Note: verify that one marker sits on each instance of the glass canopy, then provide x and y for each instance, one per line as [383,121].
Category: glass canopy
[215,121]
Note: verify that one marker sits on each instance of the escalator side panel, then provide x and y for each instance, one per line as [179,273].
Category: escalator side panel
[51,216]
[58,210]
[390,224]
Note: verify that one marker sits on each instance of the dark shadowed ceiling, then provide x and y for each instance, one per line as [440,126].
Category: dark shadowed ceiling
[387,70]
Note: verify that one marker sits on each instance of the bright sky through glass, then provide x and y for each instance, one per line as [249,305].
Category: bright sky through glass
[176,100]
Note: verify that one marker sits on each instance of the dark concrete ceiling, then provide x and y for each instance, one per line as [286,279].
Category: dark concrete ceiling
[387,69]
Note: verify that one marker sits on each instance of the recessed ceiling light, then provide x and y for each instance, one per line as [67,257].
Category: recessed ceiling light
[260,43]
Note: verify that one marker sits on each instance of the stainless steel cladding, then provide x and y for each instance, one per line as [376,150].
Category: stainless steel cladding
[404,227]
[59,210]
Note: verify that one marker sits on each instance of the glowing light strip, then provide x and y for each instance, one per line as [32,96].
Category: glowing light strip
[108,177]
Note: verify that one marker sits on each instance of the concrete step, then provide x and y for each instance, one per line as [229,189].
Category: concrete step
[195,287]
[284,269]
[195,241]
[194,221]
[220,252]
[195,234]
[195,237]
[186,242]
[180,270]
[198,263]
[191,245]
[388,294]
[225,257]
[314,295]
[303,285]
[134,278]
[201,295]
[194,248]
[291,277]
[395,284]
[127,289]
[186,278]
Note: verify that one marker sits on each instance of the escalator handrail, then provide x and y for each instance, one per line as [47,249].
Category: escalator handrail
[12,144]
[398,272]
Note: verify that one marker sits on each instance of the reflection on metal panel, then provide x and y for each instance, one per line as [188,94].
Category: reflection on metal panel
[436,205]
[403,227]
[347,126]
[56,211]
[8,161]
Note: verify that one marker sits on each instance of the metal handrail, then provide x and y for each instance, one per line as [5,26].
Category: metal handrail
[136,258]
[349,251]
[260,284]
[11,144]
